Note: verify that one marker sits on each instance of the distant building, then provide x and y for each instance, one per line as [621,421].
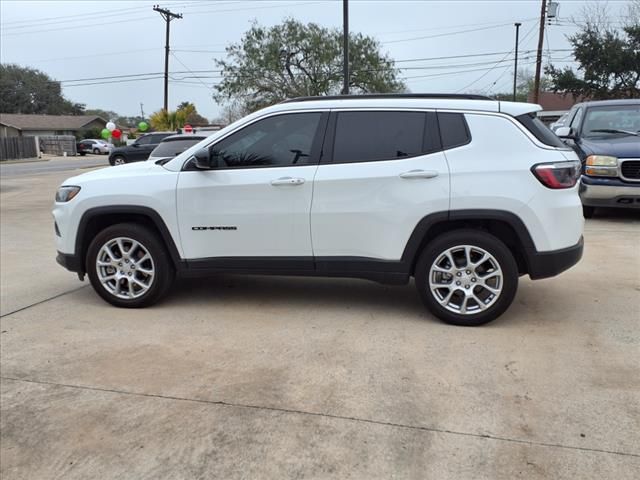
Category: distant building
[19,125]
[554,105]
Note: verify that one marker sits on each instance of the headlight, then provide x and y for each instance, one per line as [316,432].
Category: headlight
[601,166]
[66,193]
[602,160]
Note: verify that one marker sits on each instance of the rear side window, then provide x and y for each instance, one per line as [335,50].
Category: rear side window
[454,131]
[174,147]
[540,130]
[373,136]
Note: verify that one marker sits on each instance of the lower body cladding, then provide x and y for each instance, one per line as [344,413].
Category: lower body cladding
[609,192]
[540,265]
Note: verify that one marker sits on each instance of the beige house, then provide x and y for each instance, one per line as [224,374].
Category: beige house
[19,125]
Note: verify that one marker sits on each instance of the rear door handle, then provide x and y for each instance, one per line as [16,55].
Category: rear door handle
[419,174]
[282,181]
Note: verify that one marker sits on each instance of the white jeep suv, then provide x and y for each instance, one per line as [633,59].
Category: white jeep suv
[460,192]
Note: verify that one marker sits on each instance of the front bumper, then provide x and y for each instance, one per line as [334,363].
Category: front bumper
[609,192]
[550,264]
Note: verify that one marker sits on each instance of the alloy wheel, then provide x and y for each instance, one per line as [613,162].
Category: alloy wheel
[125,268]
[466,279]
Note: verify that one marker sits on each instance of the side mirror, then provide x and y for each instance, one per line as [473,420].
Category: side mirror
[204,160]
[565,132]
[136,145]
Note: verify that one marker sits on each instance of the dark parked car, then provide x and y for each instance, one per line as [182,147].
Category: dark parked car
[175,144]
[606,136]
[91,145]
[138,150]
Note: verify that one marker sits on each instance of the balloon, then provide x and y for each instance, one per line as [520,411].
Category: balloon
[116,133]
[142,126]
[105,133]
[111,126]
[188,128]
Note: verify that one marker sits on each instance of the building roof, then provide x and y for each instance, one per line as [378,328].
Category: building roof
[555,101]
[47,122]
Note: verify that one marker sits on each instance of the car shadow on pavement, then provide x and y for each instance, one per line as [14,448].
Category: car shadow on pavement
[298,293]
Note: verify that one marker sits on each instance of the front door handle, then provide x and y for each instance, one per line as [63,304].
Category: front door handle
[419,174]
[287,181]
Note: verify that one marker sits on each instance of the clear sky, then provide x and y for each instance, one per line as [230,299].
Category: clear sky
[76,40]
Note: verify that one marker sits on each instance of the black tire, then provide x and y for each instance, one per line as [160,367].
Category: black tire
[588,211]
[117,160]
[475,238]
[82,154]
[162,265]
[96,151]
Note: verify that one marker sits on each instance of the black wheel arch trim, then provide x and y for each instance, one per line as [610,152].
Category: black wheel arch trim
[148,212]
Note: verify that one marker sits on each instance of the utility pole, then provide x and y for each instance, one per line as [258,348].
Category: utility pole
[141,110]
[515,67]
[345,46]
[536,80]
[168,16]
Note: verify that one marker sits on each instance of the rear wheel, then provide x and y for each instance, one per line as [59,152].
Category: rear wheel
[466,277]
[588,211]
[129,266]
[118,160]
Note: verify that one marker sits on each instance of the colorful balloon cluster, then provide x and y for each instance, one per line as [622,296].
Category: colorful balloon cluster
[111,131]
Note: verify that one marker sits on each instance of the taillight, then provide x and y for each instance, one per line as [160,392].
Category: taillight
[557,175]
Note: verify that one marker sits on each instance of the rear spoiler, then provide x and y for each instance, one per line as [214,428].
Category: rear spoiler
[516,108]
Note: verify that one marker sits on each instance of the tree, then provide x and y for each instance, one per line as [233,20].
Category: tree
[524,86]
[163,120]
[104,114]
[293,59]
[230,113]
[27,90]
[192,117]
[609,58]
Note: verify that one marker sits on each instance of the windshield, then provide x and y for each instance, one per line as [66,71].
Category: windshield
[621,118]
[174,147]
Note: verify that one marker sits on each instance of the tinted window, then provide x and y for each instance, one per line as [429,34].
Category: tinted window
[371,136]
[158,137]
[146,140]
[174,147]
[453,130]
[540,130]
[280,140]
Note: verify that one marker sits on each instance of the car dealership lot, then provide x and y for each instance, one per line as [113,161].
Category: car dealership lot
[258,377]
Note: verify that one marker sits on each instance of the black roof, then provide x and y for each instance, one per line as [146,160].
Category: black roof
[457,96]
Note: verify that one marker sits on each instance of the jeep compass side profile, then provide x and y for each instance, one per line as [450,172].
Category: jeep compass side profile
[461,193]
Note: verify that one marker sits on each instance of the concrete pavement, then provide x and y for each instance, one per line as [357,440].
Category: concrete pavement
[258,377]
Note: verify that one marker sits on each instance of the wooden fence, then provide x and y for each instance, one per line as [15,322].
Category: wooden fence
[58,144]
[18,147]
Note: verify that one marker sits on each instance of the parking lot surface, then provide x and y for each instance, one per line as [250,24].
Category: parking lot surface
[263,377]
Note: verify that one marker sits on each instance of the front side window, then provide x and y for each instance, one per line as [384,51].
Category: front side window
[374,136]
[277,141]
[575,123]
[146,140]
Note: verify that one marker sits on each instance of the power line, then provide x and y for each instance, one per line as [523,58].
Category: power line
[445,34]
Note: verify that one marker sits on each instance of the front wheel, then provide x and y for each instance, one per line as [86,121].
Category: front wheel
[96,151]
[466,277]
[128,266]
[117,160]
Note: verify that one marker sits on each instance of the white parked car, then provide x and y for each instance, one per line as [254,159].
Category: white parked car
[463,194]
[96,146]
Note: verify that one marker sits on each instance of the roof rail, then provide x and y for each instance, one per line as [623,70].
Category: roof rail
[389,95]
